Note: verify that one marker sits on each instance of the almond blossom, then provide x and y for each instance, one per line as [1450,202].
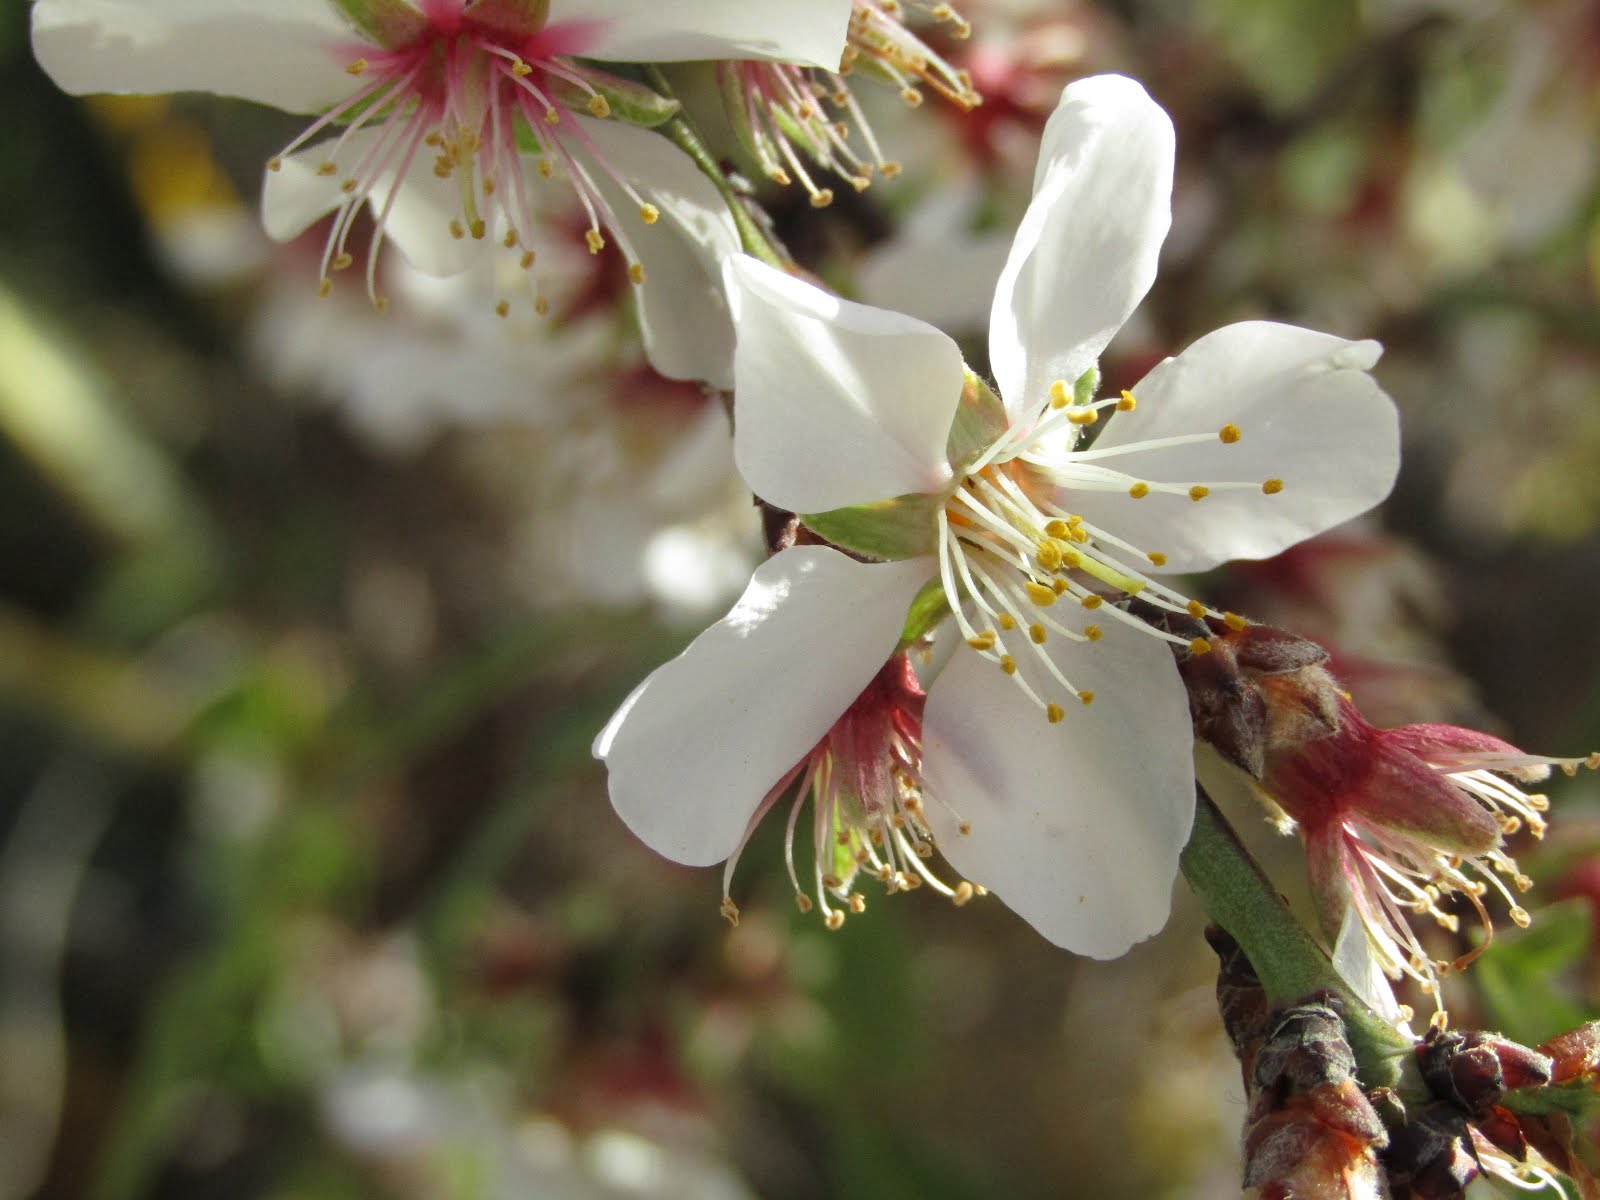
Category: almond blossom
[440,115]
[1050,762]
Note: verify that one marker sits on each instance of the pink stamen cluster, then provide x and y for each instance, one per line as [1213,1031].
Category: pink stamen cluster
[476,97]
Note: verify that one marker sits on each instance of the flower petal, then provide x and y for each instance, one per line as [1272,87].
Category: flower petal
[297,195]
[1085,253]
[812,33]
[287,53]
[692,753]
[1308,413]
[1076,826]
[835,403]
[683,311]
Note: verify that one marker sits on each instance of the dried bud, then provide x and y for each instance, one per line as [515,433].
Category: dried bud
[1430,1157]
[1574,1055]
[1474,1070]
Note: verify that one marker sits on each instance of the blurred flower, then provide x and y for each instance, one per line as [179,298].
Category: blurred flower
[786,112]
[434,113]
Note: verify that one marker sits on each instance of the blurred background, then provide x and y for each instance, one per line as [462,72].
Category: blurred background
[308,885]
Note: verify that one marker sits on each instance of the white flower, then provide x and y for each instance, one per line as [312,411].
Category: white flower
[434,113]
[854,416]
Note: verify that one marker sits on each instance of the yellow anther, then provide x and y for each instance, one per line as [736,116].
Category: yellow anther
[1008,664]
[358,67]
[510,239]
[1272,487]
[1157,559]
[834,921]
[649,214]
[1234,621]
[1200,646]
[598,107]
[636,272]
[1037,633]
[1083,416]
[541,305]
[890,169]
[479,228]
[324,286]
[1199,492]
[343,261]
[1195,609]
[456,229]
[912,97]
[821,198]
[1071,558]
[1519,917]
[380,304]
[1093,632]
[1092,601]
[1058,529]
[1229,434]
[860,182]
[1054,713]
[526,260]
[503,308]
[964,828]
[1086,697]
[858,903]
[961,893]
[1049,555]
[983,641]
[730,910]
[275,163]
[348,187]
[1058,585]
[489,185]
[1127,403]
[521,69]
[1139,491]
[832,881]
[1041,594]
[1006,621]
[1059,396]
[327,168]
[552,116]
[593,239]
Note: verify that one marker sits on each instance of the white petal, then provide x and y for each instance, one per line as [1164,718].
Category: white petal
[1076,826]
[811,33]
[296,196]
[683,311]
[835,403]
[693,751]
[1085,253]
[287,53]
[1310,415]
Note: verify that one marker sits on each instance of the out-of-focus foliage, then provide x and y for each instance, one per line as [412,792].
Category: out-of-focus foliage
[308,886]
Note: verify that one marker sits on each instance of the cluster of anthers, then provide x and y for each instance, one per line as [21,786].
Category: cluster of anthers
[786,114]
[1394,874]
[1010,544]
[477,98]
[863,780]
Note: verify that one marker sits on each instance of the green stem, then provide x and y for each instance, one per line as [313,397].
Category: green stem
[1290,965]
[687,138]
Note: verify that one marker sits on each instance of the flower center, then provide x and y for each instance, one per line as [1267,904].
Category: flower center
[864,781]
[475,97]
[1011,546]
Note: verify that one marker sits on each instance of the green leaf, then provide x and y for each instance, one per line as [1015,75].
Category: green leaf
[980,419]
[903,527]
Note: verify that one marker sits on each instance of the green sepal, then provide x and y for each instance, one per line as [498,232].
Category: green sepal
[930,606]
[387,22]
[903,527]
[625,100]
[979,421]
[1084,389]
[730,82]
[511,16]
